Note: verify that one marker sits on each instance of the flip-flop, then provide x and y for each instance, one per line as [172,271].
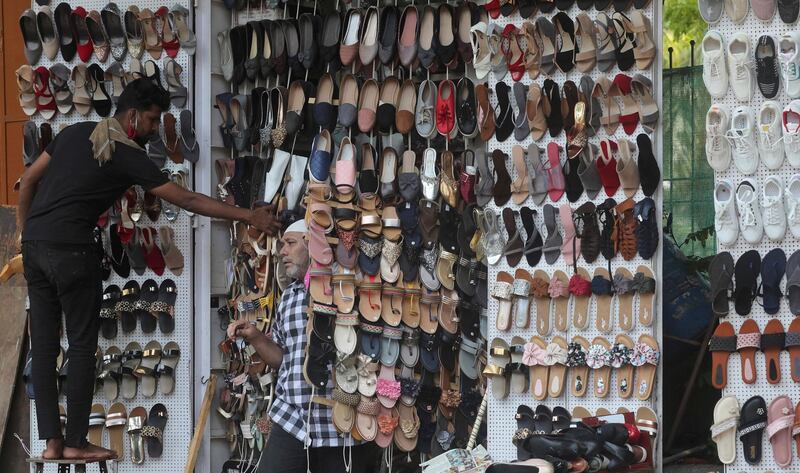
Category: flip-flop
[748,343]
[793,282]
[576,361]
[136,421]
[780,418]
[645,287]
[598,358]
[502,291]
[556,357]
[540,288]
[559,293]
[645,358]
[621,361]
[773,341]
[773,267]
[793,347]
[752,422]
[580,287]
[344,334]
[534,357]
[721,270]
[343,282]
[747,268]
[448,318]
[723,432]
[320,287]
[116,420]
[625,290]
[519,378]
[721,345]
[369,297]
[429,303]
[603,291]
[521,291]
[153,432]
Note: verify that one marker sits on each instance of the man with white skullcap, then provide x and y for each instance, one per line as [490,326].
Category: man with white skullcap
[303,437]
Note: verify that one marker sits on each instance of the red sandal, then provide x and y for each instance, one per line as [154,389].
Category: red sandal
[629,117]
[152,253]
[169,40]
[45,102]
[607,167]
[513,52]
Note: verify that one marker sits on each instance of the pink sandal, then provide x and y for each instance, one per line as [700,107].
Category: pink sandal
[318,246]
[555,175]
[780,419]
[568,251]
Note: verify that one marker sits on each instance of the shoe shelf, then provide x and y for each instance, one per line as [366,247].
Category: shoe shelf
[501,412]
[180,424]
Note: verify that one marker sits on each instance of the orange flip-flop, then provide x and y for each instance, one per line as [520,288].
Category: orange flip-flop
[772,342]
[748,343]
[722,343]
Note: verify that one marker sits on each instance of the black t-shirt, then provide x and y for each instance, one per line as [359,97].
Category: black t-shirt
[75,190]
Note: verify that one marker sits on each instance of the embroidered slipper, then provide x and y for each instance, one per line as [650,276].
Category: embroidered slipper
[369,297]
[793,347]
[625,291]
[598,358]
[344,290]
[502,291]
[496,370]
[581,290]
[540,287]
[519,376]
[116,420]
[603,291]
[392,304]
[723,432]
[559,292]
[535,358]
[556,358]
[645,285]
[747,344]
[780,419]
[752,422]
[521,291]
[429,311]
[166,369]
[621,362]
[773,342]
[136,421]
[722,343]
[97,421]
[645,357]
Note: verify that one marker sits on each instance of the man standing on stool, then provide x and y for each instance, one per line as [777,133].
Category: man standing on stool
[82,172]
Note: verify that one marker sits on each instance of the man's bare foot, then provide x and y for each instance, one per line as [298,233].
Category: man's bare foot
[89,452]
[54,450]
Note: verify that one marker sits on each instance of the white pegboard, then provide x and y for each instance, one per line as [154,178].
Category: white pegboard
[180,424]
[501,425]
[755,28]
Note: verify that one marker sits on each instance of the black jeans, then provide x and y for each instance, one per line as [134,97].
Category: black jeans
[286,454]
[63,278]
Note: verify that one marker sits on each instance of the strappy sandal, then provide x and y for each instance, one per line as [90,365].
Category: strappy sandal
[45,102]
[535,112]
[629,115]
[26,76]
[552,244]
[546,32]
[519,188]
[177,91]
[606,51]
[59,83]
[482,56]
[623,40]
[605,91]
[533,244]
[532,55]
[644,49]
[642,90]
[152,39]
[538,185]
[134,33]
[586,57]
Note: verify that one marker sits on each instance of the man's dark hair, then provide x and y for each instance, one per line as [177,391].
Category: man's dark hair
[141,94]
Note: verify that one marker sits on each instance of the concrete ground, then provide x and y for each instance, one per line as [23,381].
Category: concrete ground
[693,469]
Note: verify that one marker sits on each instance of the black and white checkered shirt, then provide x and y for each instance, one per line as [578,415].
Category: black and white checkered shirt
[292,392]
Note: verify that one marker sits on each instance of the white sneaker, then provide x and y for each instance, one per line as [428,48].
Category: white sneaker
[791,132]
[737,9]
[772,208]
[726,223]
[770,145]
[789,59]
[718,150]
[715,73]
[791,197]
[741,75]
[742,139]
[749,214]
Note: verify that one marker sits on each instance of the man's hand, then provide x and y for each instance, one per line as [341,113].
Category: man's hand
[264,220]
[243,329]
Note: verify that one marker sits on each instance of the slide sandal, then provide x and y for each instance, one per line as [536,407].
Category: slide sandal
[131,358]
[164,307]
[772,342]
[647,422]
[603,290]
[556,358]
[166,369]
[519,377]
[146,372]
[752,421]
[153,432]
[116,419]
[97,420]
[535,357]
[598,358]
[723,432]
[127,306]
[502,291]
[722,343]
[501,357]
[625,289]
[576,361]
[748,343]
[136,421]
[621,361]
[581,289]
[646,287]
[780,419]
[541,294]
[521,291]
[143,309]
[645,357]
[559,292]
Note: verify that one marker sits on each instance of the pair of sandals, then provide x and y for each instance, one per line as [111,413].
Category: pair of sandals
[745,273]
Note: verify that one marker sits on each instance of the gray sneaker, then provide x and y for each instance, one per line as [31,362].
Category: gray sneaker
[710,10]
[425,117]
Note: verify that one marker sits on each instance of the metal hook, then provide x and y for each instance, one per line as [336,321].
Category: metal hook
[204,380]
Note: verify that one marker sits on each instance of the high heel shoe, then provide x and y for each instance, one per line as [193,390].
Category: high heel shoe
[513,52]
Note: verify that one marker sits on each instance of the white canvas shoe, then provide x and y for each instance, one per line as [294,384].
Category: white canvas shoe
[791,132]
[737,9]
[718,150]
[715,72]
[726,223]
[791,198]
[739,70]
[772,208]
[747,207]
[770,145]
[742,139]
[789,59]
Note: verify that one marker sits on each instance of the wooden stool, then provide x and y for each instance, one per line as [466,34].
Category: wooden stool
[65,466]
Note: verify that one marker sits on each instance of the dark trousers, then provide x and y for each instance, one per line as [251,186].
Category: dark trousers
[286,454]
[63,278]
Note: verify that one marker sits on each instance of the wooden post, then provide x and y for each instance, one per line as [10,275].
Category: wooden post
[194,447]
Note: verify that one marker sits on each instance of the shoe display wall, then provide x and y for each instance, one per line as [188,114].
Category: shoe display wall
[751,144]
[81,55]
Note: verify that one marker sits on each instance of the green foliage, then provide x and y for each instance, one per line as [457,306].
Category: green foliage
[682,23]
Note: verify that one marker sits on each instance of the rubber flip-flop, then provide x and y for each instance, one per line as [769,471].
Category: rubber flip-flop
[752,422]
[722,343]
[772,343]
[793,282]
[748,343]
[773,267]
[721,271]
[746,271]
